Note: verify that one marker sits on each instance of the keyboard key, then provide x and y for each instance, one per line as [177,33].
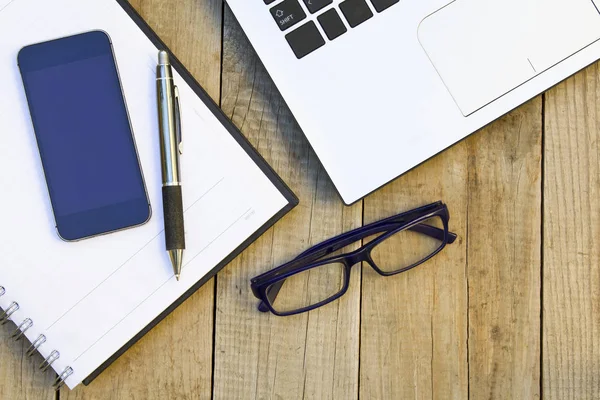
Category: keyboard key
[332,24]
[381,5]
[269,1]
[315,5]
[288,13]
[356,11]
[305,39]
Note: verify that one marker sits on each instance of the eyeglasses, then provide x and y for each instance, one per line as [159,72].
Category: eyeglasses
[318,277]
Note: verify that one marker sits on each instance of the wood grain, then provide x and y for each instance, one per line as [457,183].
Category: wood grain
[414,325]
[503,256]
[571,350]
[174,360]
[20,378]
[467,324]
[310,356]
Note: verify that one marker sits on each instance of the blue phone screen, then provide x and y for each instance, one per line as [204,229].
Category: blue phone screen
[82,127]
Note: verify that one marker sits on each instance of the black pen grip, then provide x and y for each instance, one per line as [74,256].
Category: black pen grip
[173,211]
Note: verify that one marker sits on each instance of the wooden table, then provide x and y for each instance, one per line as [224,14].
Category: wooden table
[511,310]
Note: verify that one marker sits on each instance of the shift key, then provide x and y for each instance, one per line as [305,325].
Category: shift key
[288,13]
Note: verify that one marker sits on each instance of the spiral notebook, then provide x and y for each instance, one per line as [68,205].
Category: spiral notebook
[81,305]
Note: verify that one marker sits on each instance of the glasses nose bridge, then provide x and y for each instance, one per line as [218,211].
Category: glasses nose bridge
[354,259]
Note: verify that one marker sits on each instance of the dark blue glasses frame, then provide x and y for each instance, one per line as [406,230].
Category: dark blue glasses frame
[266,286]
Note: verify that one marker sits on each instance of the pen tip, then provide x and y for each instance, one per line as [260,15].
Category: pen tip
[177,261]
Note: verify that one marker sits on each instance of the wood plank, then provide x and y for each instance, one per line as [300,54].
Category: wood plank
[414,325]
[310,356]
[175,359]
[20,378]
[503,256]
[571,319]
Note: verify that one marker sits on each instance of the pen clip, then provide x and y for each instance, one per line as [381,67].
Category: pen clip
[178,121]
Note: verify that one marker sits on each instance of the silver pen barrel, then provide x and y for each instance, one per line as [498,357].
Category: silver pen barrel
[170,138]
[169,141]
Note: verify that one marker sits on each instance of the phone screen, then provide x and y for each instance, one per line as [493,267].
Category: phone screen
[84,135]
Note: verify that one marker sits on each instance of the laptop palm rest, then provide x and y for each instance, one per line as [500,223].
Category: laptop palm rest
[483,49]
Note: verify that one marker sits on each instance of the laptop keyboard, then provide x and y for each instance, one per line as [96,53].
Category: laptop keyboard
[305,37]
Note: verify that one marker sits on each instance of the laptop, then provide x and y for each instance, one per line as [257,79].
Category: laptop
[379,86]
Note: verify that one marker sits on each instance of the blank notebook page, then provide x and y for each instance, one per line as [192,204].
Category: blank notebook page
[90,298]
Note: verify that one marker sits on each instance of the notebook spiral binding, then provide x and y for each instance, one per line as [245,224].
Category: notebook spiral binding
[19,333]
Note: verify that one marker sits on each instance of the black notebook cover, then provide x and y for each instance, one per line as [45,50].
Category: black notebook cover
[237,135]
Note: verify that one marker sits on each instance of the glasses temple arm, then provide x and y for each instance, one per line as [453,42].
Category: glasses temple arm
[351,237]
[433,232]
[341,242]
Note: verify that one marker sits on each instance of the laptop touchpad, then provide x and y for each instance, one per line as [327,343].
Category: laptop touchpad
[483,49]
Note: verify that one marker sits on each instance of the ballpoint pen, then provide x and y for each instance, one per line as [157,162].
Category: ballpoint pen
[169,119]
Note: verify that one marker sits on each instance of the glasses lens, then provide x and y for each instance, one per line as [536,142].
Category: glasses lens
[307,288]
[410,246]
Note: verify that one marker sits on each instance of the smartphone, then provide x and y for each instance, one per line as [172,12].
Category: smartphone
[84,136]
